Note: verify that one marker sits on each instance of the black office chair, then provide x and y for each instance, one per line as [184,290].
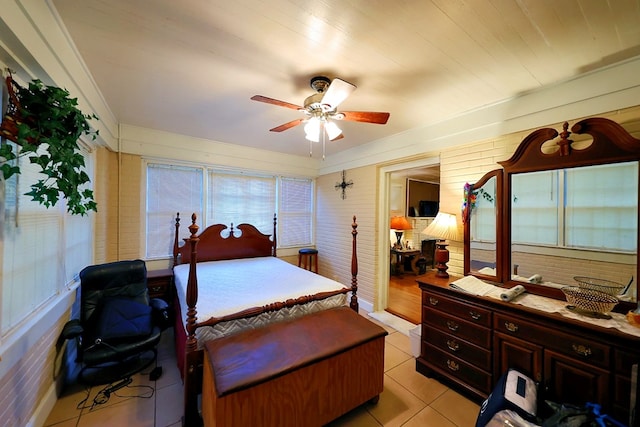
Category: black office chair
[119,326]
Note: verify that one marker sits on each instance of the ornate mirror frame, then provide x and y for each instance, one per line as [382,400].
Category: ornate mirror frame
[466,218]
[611,143]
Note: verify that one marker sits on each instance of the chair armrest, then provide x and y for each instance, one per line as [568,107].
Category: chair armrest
[160,312]
[72,329]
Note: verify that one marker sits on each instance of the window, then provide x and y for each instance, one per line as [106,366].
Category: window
[229,197]
[577,208]
[170,189]
[43,249]
[296,210]
[241,198]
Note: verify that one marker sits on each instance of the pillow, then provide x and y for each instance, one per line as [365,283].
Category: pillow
[123,320]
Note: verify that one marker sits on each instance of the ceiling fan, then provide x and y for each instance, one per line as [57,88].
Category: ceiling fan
[320,110]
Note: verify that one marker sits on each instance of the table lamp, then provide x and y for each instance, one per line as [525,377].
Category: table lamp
[399,224]
[443,227]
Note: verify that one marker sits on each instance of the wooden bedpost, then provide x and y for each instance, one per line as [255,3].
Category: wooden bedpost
[175,240]
[354,268]
[274,235]
[192,357]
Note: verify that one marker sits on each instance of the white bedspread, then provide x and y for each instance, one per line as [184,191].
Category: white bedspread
[227,287]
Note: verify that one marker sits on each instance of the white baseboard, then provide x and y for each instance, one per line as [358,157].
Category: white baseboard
[365,305]
[44,408]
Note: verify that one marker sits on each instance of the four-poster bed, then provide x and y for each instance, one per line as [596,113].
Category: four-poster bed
[238,283]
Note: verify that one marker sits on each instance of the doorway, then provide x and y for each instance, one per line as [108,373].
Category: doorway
[399,294]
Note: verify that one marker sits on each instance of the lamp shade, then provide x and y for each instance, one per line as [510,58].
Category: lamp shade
[400,223]
[312,129]
[443,227]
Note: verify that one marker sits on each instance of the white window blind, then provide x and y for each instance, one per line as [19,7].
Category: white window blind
[596,216]
[230,197]
[295,212]
[241,198]
[43,249]
[31,271]
[79,232]
[534,203]
[171,189]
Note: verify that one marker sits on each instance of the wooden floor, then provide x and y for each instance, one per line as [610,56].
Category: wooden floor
[405,298]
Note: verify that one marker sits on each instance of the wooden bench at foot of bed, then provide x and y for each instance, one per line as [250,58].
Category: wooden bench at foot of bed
[304,372]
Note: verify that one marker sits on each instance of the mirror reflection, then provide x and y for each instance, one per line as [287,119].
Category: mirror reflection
[482,219]
[573,222]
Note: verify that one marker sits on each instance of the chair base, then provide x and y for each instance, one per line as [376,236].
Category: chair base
[114,371]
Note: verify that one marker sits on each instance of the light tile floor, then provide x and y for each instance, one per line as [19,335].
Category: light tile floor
[409,399]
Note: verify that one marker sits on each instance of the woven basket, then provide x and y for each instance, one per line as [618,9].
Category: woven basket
[589,300]
[601,285]
[13,116]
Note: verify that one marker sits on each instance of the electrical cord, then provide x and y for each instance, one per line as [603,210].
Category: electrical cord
[103,395]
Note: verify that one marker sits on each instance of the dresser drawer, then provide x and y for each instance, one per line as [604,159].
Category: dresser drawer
[457,327]
[470,312]
[571,345]
[455,346]
[453,366]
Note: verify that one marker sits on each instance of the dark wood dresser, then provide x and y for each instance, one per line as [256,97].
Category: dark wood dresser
[469,341]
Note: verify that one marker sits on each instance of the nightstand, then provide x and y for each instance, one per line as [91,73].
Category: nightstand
[160,284]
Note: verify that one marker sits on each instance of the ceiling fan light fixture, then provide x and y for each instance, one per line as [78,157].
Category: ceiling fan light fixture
[333,131]
[321,111]
[312,129]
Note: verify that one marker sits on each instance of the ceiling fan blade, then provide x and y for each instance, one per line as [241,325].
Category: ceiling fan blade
[287,125]
[337,92]
[366,116]
[276,102]
[339,137]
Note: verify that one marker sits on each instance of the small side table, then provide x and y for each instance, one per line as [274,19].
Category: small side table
[160,284]
[402,255]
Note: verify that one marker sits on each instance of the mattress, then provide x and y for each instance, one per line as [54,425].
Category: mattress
[230,286]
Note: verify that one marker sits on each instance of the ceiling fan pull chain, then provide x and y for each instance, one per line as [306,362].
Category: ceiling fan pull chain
[324,133]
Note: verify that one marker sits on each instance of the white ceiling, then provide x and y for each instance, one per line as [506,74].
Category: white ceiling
[190,66]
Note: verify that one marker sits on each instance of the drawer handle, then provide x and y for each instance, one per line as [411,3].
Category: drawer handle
[453,365]
[453,345]
[156,288]
[582,350]
[511,327]
[453,326]
[433,301]
[474,315]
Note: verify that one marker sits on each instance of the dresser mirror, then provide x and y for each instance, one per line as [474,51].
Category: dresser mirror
[575,222]
[570,209]
[482,227]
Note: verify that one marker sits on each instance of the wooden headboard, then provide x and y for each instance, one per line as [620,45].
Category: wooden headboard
[243,241]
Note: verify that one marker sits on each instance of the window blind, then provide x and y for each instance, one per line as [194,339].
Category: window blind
[170,189]
[241,198]
[295,212]
[34,249]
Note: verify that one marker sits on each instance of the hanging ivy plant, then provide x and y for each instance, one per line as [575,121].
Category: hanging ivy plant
[44,123]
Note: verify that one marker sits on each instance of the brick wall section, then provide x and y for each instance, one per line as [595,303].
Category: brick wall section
[131,208]
[333,228]
[106,193]
[25,386]
[561,270]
